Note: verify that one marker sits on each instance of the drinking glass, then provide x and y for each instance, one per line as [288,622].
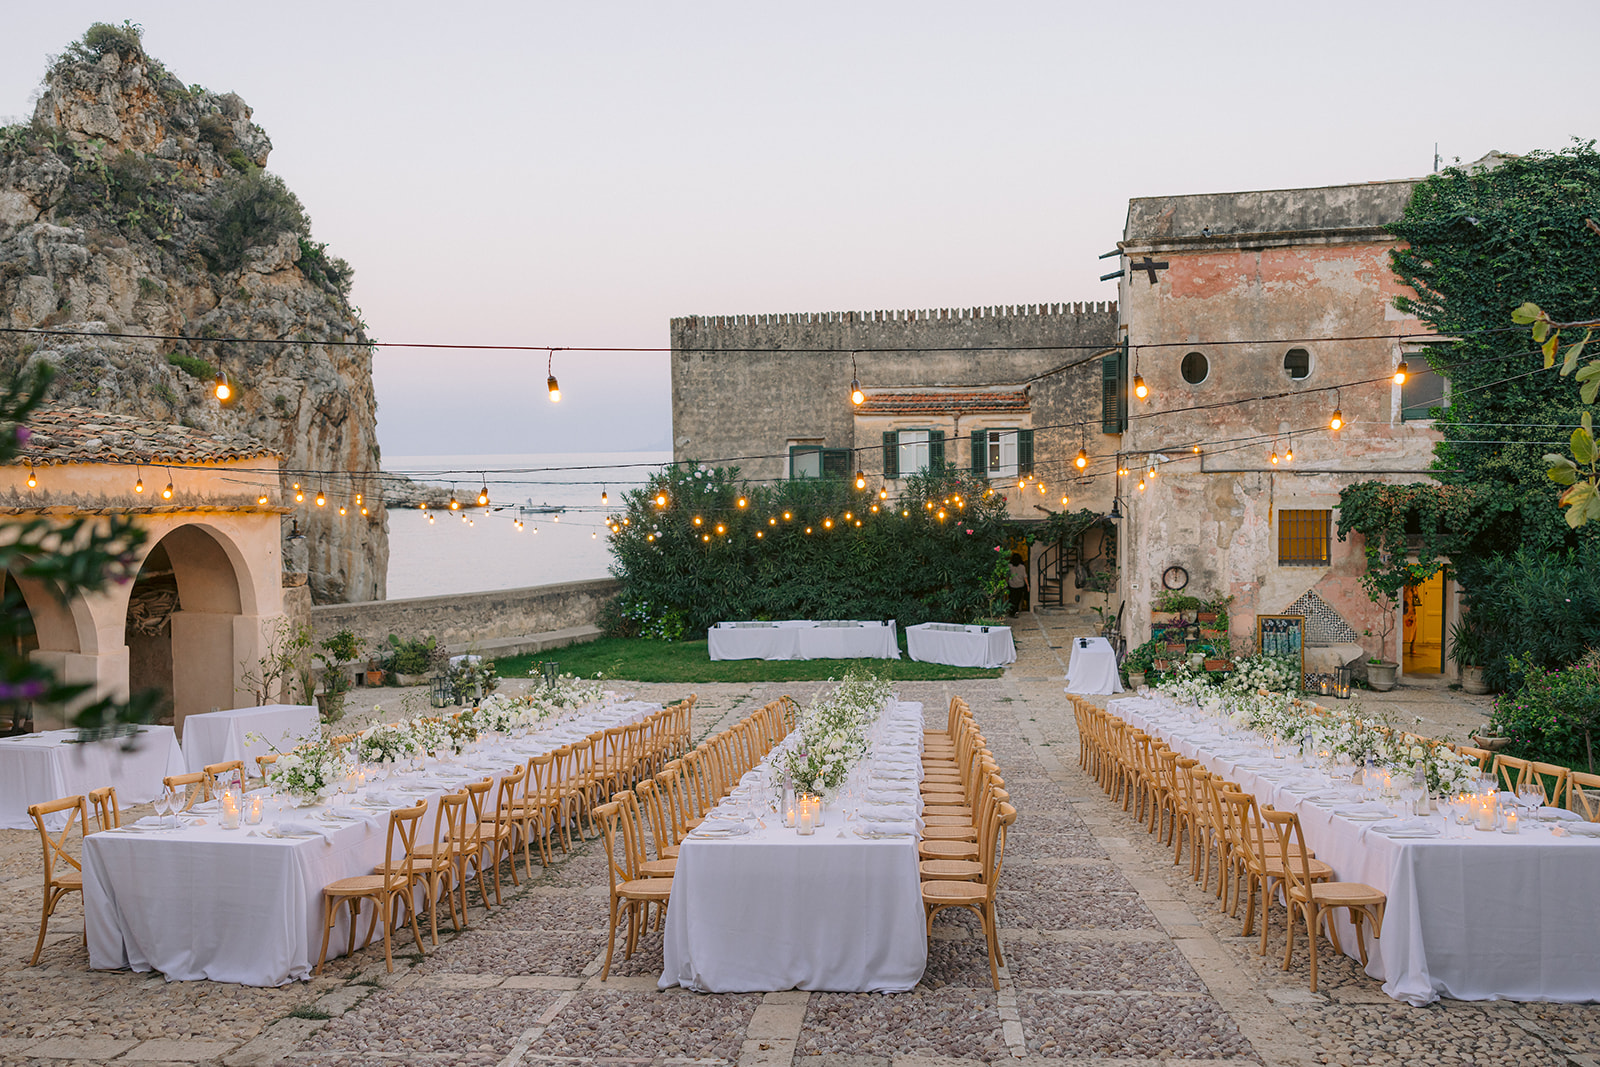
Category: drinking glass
[1531,796]
[163,806]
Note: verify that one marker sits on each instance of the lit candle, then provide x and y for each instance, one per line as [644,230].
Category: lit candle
[255,810]
[1485,811]
[789,816]
[807,825]
[230,811]
[1511,822]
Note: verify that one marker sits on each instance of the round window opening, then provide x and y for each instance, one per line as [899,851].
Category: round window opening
[1195,367]
[1297,362]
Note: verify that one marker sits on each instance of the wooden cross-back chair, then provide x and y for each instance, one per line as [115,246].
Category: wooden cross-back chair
[1583,794]
[389,889]
[629,891]
[196,786]
[1315,901]
[107,815]
[63,874]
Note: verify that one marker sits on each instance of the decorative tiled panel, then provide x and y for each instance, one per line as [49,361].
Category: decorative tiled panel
[1323,625]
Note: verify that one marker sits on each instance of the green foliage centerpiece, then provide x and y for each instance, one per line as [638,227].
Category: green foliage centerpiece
[832,735]
[306,773]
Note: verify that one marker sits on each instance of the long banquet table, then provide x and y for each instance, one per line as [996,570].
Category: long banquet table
[1472,916]
[772,910]
[38,767]
[237,906]
[961,646]
[803,639]
[219,736]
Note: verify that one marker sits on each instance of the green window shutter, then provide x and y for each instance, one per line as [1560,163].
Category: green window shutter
[935,449]
[1113,393]
[891,453]
[836,463]
[1024,451]
[980,453]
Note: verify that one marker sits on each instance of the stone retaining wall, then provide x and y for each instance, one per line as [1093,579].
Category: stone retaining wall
[503,621]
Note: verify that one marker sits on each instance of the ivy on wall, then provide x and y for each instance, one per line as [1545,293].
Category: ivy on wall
[697,546]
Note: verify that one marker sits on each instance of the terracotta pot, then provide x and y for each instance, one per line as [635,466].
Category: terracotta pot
[374,677]
[1206,616]
[1210,635]
[1218,665]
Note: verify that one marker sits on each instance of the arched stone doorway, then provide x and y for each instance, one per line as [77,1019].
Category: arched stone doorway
[25,641]
[183,616]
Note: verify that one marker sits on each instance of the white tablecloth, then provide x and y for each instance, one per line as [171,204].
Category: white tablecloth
[1486,917]
[774,910]
[961,646]
[1092,669]
[205,902]
[218,736]
[802,639]
[35,768]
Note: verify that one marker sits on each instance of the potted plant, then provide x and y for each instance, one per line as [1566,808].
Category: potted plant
[374,672]
[409,661]
[1469,648]
[1140,662]
[338,653]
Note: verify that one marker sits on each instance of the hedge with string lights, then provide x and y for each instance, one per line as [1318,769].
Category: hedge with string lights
[696,546]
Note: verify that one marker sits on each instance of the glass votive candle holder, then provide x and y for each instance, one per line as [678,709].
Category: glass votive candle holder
[254,808]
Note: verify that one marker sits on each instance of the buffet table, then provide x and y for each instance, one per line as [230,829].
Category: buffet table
[35,768]
[242,906]
[961,646]
[1093,667]
[219,736]
[801,639]
[772,910]
[1470,915]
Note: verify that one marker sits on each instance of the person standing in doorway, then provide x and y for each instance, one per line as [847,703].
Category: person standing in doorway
[1017,583]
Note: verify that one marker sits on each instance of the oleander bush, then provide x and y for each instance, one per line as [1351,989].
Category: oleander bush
[1551,716]
[841,552]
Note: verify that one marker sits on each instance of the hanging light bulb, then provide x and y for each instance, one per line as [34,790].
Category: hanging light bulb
[827,524]
[808,529]
[874,509]
[536,529]
[423,505]
[1337,422]
[697,520]
[593,534]
[299,494]
[358,498]
[341,509]
[556,517]
[760,534]
[861,480]
[1083,459]
[33,478]
[773,521]
[1197,450]
[742,502]
[470,522]
[661,500]
[138,486]
[941,514]
[455,505]
[787,516]
[604,499]
[1288,457]
[883,494]
[1152,470]
[166,494]
[430,518]
[1274,456]
[552,384]
[1400,373]
[1141,485]
[262,499]
[224,390]
[1063,501]
[363,509]
[856,395]
[483,495]
[1022,483]
[1140,390]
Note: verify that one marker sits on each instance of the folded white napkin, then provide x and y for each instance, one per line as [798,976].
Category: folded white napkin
[882,826]
[889,796]
[206,806]
[1584,829]
[1370,807]
[1560,814]
[301,826]
[902,812]
[1406,826]
[347,812]
[154,821]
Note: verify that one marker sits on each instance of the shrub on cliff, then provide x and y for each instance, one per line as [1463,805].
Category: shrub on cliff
[251,211]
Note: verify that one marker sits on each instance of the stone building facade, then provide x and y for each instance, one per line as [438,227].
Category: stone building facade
[1010,392]
[1273,310]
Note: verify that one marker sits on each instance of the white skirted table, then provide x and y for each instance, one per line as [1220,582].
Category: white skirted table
[961,646]
[1093,667]
[236,906]
[219,736]
[35,768]
[1470,915]
[802,639]
[772,910]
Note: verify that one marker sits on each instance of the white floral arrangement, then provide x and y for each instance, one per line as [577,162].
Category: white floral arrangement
[431,735]
[570,691]
[1447,772]
[307,772]
[1277,674]
[386,742]
[832,734]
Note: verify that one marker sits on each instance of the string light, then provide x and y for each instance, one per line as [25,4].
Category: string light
[772,522]
[1400,373]
[760,534]
[721,529]
[262,499]
[430,518]
[1140,390]
[1082,459]
[1288,457]
[1337,422]
[341,509]
[1274,456]
[742,502]
[33,478]
[363,509]
[552,384]
[856,395]
[455,505]
[787,516]
[697,520]
[224,390]
[827,524]
[905,514]
[358,498]
[848,516]
[138,486]
[423,505]
[483,494]
[593,534]
[883,494]
[322,500]
[874,509]
[300,494]
[1141,485]
[166,494]
[1063,501]
[861,480]
[808,529]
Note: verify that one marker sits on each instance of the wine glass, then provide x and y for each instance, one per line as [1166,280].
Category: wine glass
[163,806]
[1531,796]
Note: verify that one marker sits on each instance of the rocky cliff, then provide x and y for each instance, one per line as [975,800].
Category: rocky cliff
[133,204]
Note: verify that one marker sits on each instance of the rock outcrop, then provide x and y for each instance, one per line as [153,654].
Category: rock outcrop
[133,204]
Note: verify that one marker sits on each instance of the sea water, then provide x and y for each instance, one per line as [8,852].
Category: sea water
[557,497]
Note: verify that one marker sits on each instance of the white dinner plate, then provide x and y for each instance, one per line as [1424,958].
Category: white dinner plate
[1424,832]
[1363,816]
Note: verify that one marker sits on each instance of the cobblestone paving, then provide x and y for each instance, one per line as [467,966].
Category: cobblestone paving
[1114,957]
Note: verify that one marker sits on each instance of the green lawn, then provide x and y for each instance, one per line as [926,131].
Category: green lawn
[637,660]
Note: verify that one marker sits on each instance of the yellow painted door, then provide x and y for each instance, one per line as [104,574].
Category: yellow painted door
[1424,627]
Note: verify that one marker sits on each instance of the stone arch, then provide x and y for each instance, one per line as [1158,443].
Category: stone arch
[183,620]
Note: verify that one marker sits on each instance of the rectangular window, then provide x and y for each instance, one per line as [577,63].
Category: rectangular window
[1114,392]
[1303,538]
[809,459]
[913,452]
[1002,445]
[1421,392]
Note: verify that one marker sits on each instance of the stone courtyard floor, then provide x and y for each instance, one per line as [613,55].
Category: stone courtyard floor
[1114,957]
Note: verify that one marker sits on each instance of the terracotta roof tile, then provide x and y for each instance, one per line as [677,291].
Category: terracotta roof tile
[83,435]
[942,403]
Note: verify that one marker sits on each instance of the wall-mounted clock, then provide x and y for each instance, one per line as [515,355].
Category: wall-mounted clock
[1175,577]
